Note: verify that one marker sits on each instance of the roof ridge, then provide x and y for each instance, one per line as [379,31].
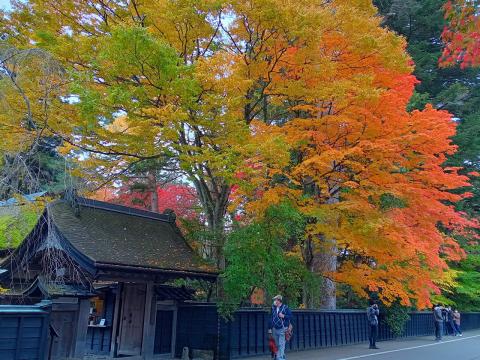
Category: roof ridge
[102,205]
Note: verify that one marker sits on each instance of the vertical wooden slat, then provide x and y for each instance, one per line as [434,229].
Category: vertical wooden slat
[116,321]
[239,334]
[18,348]
[81,328]
[149,316]
[264,320]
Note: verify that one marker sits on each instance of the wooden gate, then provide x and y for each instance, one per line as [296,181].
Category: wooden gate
[64,323]
[131,325]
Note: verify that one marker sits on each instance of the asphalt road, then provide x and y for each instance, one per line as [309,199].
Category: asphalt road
[465,348]
[424,348]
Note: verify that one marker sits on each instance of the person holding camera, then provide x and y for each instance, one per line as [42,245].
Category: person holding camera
[438,317]
[372,317]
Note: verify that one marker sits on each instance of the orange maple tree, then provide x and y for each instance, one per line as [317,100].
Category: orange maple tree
[365,172]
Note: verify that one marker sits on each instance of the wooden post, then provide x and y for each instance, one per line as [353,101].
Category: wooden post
[82,328]
[148,339]
[174,329]
[116,320]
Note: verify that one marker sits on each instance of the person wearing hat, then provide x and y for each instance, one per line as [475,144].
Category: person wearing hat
[279,323]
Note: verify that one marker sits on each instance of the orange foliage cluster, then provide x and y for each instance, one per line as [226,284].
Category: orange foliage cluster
[355,147]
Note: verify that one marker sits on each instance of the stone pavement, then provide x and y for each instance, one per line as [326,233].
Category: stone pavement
[420,348]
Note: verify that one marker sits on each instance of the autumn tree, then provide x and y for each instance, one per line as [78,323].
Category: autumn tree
[180,198]
[31,85]
[141,69]
[462,34]
[366,172]
[456,89]
[299,101]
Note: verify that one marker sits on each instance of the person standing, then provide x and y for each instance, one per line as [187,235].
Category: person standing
[279,322]
[372,317]
[438,319]
[456,322]
[451,323]
[445,318]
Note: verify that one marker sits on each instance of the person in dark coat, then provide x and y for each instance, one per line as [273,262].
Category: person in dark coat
[451,323]
[279,322]
[438,312]
[372,317]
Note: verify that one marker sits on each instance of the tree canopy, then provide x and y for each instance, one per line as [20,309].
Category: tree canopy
[257,104]
[456,89]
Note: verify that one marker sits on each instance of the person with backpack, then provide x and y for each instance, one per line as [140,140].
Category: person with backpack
[372,317]
[280,325]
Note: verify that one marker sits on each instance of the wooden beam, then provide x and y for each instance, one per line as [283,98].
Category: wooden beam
[82,327]
[148,339]
[125,277]
[116,320]
[174,329]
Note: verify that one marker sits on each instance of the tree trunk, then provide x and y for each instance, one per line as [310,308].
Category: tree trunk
[320,254]
[214,199]
[326,262]
[152,187]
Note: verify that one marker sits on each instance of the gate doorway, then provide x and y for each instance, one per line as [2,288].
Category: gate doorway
[131,320]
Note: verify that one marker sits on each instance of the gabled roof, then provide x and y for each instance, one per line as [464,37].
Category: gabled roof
[104,236]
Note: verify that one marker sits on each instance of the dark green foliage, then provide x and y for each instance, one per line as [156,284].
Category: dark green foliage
[396,317]
[348,299]
[389,201]
[467,293]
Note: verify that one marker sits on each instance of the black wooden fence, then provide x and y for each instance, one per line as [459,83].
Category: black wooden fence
[24,331]
[200,327]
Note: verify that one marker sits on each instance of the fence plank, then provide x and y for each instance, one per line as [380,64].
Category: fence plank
[23,331]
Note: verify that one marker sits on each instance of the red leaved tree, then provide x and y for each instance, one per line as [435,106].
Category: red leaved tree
[462,35]
[182,199]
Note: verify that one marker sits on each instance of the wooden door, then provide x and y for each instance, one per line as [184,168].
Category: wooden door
[64,323]
[131,325]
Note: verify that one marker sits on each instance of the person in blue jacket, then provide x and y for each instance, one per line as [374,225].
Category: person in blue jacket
[279,322]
